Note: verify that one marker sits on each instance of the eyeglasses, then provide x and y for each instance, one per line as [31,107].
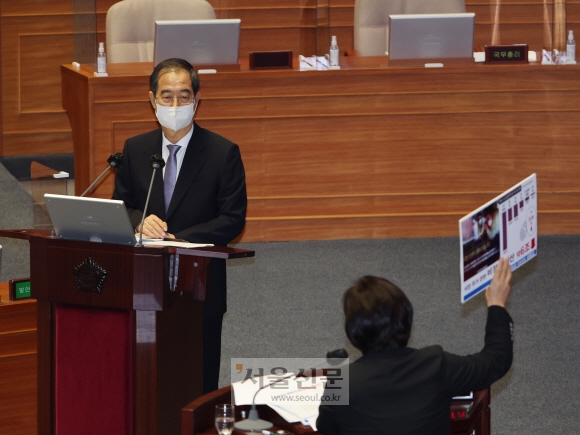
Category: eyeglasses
[167,100]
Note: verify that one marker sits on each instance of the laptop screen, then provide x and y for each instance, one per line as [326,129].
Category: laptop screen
[200,42]
[431,36]
[90,219]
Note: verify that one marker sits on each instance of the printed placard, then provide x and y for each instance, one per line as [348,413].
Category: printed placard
[507,226]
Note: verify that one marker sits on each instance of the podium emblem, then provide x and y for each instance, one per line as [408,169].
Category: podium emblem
[89,276]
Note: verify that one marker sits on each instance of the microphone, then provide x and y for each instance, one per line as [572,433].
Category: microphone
[254,424]
[115,161]
[157,162]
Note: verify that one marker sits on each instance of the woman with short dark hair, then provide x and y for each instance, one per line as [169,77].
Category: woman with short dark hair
[396,390]
[378,314]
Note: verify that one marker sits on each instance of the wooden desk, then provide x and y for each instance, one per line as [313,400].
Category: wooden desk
[366,151]
[197,418]
[17,365]
[139,356]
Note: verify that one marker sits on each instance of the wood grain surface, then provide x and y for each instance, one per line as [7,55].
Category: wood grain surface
[362,152]
[37,37]
[367,152]
[17,365]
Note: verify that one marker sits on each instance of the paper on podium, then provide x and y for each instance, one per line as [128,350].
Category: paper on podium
[175,244]
[294,403]
[300,405]
[245,390]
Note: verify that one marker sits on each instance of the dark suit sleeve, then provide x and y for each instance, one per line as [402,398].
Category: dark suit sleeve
[231,202]
[326,423]
[126,187]
[478,371]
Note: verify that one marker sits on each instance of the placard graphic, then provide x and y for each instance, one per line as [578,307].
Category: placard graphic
[507,227]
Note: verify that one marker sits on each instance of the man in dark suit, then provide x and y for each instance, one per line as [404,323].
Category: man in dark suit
[200,196]
[396,390]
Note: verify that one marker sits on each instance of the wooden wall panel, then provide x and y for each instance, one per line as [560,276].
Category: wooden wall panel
[287,24]
[301,161]
[18,395]
[40,85]
[410,158]
[385,152]
[276,17]
[36,38]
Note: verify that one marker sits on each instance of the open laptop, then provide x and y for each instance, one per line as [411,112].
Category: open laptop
[431,36]
[90,219]
[200,42]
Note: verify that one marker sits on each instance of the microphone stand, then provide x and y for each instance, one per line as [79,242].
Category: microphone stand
[254,424]
[157,162]
[115,161]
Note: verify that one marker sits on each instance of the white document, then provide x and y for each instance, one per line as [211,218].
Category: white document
[174,244]
[295,402]
[244,391]
[315,63]
[507,226]
[301,404]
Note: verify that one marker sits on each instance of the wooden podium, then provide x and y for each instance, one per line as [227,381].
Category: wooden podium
[119,333]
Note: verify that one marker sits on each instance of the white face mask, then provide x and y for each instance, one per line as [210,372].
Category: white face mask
[175,118]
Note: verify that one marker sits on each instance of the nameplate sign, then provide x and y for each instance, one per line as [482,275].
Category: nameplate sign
[19,289]
[516,53]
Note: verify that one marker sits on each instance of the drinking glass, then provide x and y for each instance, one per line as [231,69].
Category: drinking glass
[224,419]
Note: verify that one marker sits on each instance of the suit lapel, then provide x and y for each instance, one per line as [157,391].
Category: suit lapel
[194,159]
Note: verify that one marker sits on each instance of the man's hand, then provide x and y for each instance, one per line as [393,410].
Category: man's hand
[499,290]
[154,228]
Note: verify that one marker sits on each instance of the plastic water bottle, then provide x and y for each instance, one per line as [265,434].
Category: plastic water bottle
[101,59]
[571,48]
[333,61]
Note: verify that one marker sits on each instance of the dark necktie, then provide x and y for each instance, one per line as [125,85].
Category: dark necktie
[170,174]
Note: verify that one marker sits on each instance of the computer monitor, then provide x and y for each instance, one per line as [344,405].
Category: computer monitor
[90,219]
[431,36]
[200,42]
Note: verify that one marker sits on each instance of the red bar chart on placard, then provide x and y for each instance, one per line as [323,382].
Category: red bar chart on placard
[506,226]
